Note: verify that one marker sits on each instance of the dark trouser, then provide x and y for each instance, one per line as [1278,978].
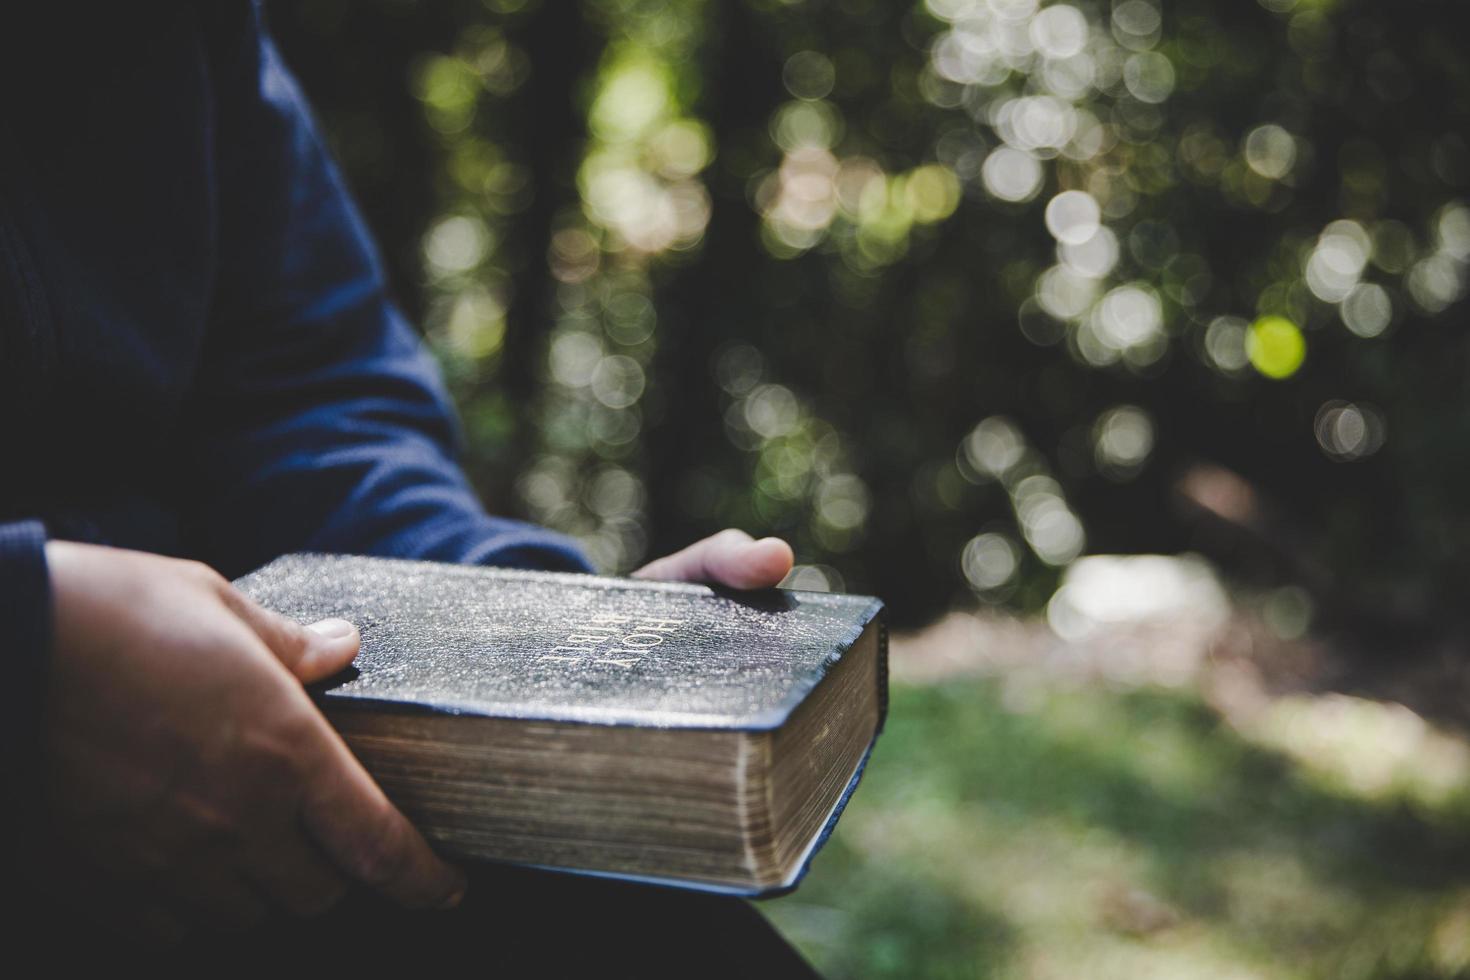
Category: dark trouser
[513,923]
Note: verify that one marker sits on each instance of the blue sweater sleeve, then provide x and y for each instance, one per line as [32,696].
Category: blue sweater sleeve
[25,625]
[318,421]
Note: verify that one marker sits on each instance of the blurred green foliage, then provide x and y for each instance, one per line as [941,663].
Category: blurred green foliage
[1056,830]
[946,292]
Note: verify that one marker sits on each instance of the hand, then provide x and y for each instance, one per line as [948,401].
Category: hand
[190,780]
[729,558]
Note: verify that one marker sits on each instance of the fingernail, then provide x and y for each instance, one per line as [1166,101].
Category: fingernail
[333,629]
[455,897]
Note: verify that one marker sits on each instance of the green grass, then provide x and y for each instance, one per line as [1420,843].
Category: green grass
[1088,832]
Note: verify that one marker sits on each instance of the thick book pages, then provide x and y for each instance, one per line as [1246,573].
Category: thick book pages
[660,731]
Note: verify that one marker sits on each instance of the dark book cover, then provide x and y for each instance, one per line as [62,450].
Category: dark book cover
[573,648]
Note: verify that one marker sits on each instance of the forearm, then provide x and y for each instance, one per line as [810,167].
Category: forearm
[388,493]
[354,455]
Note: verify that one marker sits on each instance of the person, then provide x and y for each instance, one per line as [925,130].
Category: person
[200,369]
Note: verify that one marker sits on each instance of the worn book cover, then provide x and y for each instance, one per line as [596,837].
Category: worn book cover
[661,731]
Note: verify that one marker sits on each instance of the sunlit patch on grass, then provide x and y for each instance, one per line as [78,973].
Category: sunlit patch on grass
[1105,832]
[1379,750]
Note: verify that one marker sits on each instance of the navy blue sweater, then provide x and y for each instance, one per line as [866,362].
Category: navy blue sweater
[197,354]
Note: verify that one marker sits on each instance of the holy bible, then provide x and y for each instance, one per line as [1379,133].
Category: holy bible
[659,731]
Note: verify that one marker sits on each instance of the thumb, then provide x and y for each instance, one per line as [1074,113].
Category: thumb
[729,558]
[312,653]
[334,644]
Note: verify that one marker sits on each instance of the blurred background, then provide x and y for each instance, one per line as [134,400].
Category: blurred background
[1119,347]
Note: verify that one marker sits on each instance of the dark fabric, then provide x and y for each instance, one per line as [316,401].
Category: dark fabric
[521,922]
[514,922]
[198,357]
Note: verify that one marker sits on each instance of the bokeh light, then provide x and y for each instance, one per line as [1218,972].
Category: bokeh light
[951,294]
[1275,347]
[1347,431]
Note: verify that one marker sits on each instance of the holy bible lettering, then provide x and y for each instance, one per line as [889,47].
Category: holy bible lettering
[611,639]
[660,731]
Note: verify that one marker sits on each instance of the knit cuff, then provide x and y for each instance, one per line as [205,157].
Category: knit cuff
[517,544]
[25,651]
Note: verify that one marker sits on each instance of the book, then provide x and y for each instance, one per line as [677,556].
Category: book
[663,732]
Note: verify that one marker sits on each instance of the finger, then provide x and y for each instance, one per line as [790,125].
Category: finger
[367,838]
[692,563]
[294,876]
[313,652]
[729,558]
